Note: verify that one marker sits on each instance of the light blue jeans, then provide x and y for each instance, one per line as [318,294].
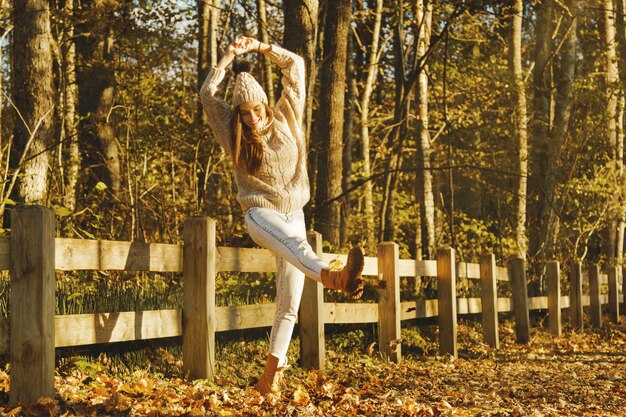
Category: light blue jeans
[284,234]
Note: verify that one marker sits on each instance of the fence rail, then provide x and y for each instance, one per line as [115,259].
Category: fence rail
[32,254]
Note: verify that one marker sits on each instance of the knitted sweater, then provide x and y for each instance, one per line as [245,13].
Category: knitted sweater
[282,182]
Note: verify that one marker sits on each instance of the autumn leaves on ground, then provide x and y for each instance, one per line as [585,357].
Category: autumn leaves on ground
[577,374]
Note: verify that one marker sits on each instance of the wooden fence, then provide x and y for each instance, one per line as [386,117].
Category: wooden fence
[32,254]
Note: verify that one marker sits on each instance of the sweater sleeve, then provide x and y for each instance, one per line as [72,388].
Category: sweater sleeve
[292,100]
[217,111]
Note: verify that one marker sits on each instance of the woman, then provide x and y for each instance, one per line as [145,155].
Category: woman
[269,159]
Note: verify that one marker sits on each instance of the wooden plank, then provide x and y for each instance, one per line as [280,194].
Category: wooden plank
[553,272]
[575,296]
[350,313]
[489,299]
[311,317]
[413,268]
[446,290]
[199,319]
[245,317]
[103,255]
[503,273]
[594,297]
[245,260]
[88,329]
[517,270]
[389,302]
[468,270]
[419,309]
[31,340]
[613,295]
[5,253]
[468,306]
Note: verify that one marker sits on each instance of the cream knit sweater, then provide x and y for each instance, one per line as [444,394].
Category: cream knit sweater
[282,182]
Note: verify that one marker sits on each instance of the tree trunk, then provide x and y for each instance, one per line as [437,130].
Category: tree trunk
[71,120]
[96,80]
[372,71]
[542,86]
[268,79]
[425,176]
[348,126]
[521,122]
[208,22]
[331,119]
[620,37]
[550,130]
[300,37]
[34,96]
[563,106]
[395,142]
[611,116]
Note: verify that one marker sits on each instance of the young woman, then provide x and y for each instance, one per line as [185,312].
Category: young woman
[269,159]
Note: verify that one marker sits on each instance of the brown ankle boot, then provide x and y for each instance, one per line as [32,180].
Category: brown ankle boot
[265,384]
[347,279]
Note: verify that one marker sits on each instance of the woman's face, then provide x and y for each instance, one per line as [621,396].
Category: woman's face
[253,115]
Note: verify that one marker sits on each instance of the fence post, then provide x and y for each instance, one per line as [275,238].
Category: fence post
[311,317]
[624,289]
[594,296]
[489,299]
[446,291]
[517,275]
[553,272]
[576,296]
[389,302]
[199,321]
[31,338]
[613,295]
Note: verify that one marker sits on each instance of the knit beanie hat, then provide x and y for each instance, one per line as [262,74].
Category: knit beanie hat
[247,89]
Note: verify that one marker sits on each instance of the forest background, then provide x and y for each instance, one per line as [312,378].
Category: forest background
[488,126]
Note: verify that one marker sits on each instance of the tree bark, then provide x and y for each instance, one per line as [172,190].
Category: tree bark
[521,122]
[34,96]
[542,98]
[96,80]
[208,21]
[621,63]
[611,81]
[395,142]
[348,126]
[331,119]
[300,37]
[268,79]
[71,119]
[372,71]
[425,176]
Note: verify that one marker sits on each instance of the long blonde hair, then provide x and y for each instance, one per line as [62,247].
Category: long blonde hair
[245,144]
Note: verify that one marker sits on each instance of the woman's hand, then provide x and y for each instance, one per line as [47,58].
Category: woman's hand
[243,44]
